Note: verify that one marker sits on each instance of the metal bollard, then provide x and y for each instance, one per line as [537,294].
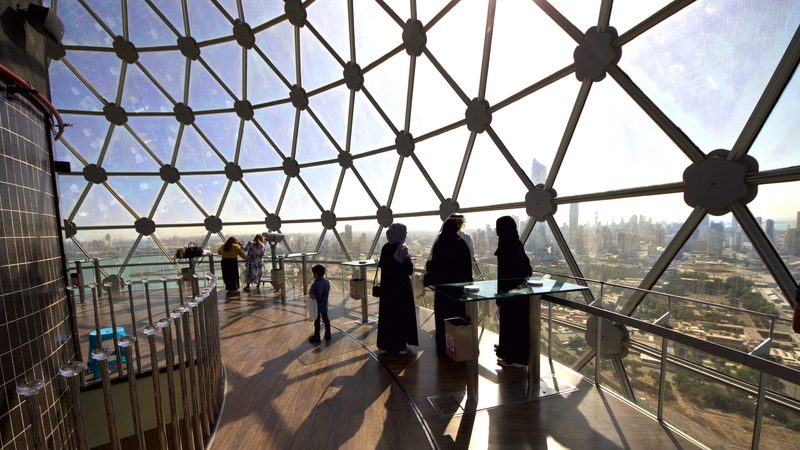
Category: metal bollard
[71,372]
[166,298]
[30,390]
[101,356]
[203,355]
[179,279]
[96,315]
[126,342]
[133,325]
[114,329]
[146,285]
[97,278]
[176,316]
[150,331]
[197,367]
[79,271]
[164,324]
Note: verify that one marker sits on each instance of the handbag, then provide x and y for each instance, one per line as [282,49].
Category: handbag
[192,251]
[376,285]
[311,310]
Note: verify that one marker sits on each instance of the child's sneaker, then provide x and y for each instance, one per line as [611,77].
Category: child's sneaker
[314,339]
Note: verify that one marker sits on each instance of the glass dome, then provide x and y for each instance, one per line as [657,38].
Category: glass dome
[327,120]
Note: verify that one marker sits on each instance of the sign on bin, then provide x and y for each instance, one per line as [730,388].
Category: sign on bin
[458,339]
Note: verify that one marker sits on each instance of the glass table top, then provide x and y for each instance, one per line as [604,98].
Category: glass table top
[487,289]
[362,262]
[296,255]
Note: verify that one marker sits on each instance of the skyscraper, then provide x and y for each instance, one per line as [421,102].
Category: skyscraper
[771,230]
[539,174]
[573,221]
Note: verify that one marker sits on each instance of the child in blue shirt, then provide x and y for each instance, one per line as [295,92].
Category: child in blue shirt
[319,292]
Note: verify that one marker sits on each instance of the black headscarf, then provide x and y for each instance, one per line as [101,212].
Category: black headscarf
[450,258]
[513,265]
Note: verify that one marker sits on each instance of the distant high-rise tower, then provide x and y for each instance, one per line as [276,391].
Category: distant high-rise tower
[348,237]
[771,230]
[539,174]
[573,221]
[108,240]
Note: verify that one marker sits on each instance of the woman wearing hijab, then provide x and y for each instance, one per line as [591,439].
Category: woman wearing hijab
[397,318]
[450,263]
[513,268]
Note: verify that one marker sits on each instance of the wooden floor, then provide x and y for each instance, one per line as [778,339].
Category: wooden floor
[283,392]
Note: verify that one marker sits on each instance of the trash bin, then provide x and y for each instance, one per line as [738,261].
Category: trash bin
[356,288]
[458,339]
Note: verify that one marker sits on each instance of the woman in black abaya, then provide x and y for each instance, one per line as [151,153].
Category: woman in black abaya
[397,318]
[513,268]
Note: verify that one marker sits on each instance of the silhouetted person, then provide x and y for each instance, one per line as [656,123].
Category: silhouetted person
[450,263]
[254,263]
[231,252]
[513,268]
[397,318]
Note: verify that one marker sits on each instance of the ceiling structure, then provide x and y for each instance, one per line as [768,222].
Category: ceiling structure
[216,117]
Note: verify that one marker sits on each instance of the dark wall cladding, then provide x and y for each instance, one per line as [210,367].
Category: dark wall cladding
[35,332]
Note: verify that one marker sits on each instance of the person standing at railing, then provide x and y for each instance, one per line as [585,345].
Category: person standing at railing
[397,318]
[254,262]
[513,268]
[450,263]
[231,251]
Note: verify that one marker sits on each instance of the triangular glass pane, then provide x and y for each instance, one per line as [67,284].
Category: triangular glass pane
[353,198]
[240,207]
[331,107]
[225,60]
[441,156]
[169,69]
[429,9]
[479,189]
[96,243]
[267,186]
[330,19]
[312,144]
[413,193]
[101,69]
[173,11]
[710,94]
[87,135]
[175,207]
[541,246]
[317,66]
[109,12]
[435,103]
[376,32]
[148,252]
[465,25]
[780,133]
[357,236]
[378,173]
[140,95]
[720,266]
[195,154]
[775,209]
[278,122]
[388,84]
[204,91]
[159,133]
[303,237]
[322,180]
[70,189]
[625,130]
[578,14]
[255,151]
[332,250]
[277,42]
[263,85]
[207,21]
[145,28]
[206,189]
[101,208]
[138,192]
[222,130]
[257,12]
[68,92]
[82,29]
[366,117]
[531,131]
[297,204]
[519,58]
[62,153]
[124,154]
[628,13]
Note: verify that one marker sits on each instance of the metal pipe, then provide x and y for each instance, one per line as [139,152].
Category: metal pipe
[150,331]
[662,379]
[166,299]
[534,336]
[146,285]
[114,329]
[201,339]
[164,324]
[71,372]
[179,279]
[126,342]
[97,280]
[30,390]
[94,288]
[79,271]
[550,332]
[176,315]
[133,327]
[598,339]
[193,381]
[101,356]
